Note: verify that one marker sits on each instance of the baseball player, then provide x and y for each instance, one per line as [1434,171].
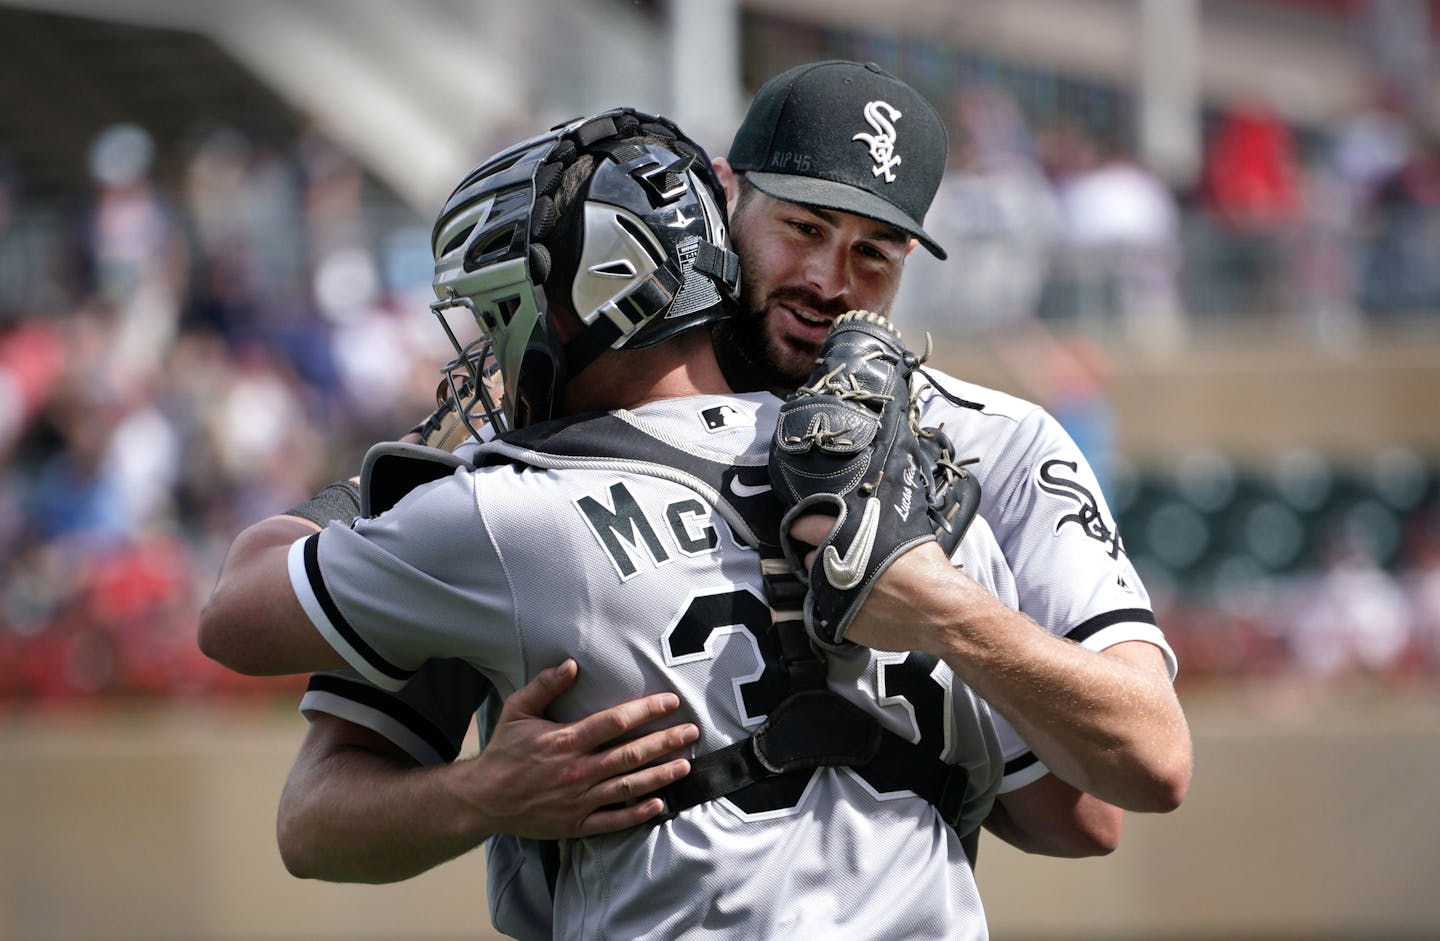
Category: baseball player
[817,239]
[791,218]
[636,539]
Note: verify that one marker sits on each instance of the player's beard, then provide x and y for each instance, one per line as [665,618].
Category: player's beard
[754,352]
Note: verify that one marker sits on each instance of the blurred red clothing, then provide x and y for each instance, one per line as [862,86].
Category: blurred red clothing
[1251,177]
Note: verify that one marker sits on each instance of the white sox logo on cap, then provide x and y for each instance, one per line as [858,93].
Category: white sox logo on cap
[798,144]
[880,115]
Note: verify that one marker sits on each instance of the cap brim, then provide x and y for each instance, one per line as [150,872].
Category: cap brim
[827,194]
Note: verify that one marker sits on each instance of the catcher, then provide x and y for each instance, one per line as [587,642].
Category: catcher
[628,459]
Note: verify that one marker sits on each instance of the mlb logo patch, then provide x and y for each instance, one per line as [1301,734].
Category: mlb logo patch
[720,417]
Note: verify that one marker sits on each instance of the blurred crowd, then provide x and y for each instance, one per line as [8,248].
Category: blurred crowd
[1332,229]
[182,361]
[181,357]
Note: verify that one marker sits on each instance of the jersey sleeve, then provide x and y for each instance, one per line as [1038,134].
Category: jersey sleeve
[427,719]
[422,581]
[1068,558]
[1061,541]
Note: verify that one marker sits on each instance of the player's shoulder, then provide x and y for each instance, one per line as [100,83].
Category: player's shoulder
[731,427]
[976,403]
[441,505]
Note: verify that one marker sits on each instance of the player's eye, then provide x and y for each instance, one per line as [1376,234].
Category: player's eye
[877,253]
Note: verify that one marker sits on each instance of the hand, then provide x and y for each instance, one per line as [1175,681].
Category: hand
[812,529]
[911,603]
[542,779]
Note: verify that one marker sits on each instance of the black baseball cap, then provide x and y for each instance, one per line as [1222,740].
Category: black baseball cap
[845,136]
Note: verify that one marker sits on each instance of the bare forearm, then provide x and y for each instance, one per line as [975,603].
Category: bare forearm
[1052,818]
[356,808]
[253,623]
[1105,724]
[1100,722]
[1108,724]
[358,816]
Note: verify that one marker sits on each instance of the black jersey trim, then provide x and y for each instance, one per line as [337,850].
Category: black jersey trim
[1020,763]
[337,620]
[402,712]
[1099,622]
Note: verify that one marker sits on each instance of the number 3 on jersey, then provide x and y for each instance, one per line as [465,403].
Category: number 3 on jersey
[908,681]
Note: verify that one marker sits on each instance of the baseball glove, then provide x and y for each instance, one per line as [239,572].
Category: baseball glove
[445,427]
[459,408]
[848,443]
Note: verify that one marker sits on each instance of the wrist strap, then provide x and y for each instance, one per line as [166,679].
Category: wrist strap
[339,501]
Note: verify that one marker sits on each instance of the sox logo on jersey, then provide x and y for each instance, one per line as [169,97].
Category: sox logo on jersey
[1087,512]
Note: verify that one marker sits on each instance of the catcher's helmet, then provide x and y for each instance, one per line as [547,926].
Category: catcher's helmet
[617,218]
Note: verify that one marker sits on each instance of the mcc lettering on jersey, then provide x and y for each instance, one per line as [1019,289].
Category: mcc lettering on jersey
[629,536]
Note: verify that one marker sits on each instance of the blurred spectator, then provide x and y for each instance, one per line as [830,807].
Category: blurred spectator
[1068,374]
[244,207]
[333,197]
[1401,274]
[264,440]
[1354,620]
[137,252]
[1121,241]
[31,358]
[1252,192]
[226,280]
[1423,585]
[385,369]
[1079,398]
[1364,148]
[995,213]
[1250,170]
[1370,145]
[1326,282]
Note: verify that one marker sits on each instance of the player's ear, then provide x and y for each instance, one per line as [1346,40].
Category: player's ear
[728,179]
[911,247]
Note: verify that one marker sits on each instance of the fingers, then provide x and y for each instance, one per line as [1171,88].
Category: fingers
[621,818]
[607,725]
[621,790]
[646,750]
[594,768]
[613,795]
[812,528]
[536,696]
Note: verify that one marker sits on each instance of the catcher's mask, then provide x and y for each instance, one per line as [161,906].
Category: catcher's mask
[617,218]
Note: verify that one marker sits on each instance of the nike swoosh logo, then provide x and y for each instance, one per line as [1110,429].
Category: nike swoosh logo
[747,490]
[846,572]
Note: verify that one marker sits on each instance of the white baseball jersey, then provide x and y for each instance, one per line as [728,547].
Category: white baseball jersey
[1058,537]
[511,569]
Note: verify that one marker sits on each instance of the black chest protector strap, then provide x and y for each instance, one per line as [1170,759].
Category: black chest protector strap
[811,727]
